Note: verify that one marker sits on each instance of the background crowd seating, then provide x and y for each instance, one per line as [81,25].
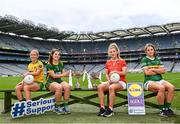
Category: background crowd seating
[89,56]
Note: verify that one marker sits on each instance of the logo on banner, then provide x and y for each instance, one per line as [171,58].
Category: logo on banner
[135,90]
[32,107]
[135,99]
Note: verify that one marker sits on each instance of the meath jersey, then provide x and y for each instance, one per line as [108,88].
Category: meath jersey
[116,65]
[33,67]
[151,63]
[58,69]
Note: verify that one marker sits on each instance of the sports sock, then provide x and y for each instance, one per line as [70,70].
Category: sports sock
[102,107]
[65,103]
[57,104]
[167,105]
[161,107]
[111,108]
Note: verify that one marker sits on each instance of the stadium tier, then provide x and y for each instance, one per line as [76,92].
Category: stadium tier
[14,53]
[85,51]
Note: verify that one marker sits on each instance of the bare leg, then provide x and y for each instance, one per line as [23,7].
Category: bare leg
[112,90]
[67,90]
[155,87]
[101,89]
[28,88]
[57,88]
[170,91]
[19,89]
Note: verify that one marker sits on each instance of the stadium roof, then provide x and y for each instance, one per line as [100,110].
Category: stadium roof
[11,24]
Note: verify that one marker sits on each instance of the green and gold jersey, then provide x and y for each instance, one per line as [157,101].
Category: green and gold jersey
[151,63]
[58,69]
[33,67]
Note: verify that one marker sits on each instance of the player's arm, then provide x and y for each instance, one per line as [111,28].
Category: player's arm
[40,68]
[148,71]
[123,72]
[107,75]
[124,69]
[53,75]
[160,70]
[65,73]
[35,73]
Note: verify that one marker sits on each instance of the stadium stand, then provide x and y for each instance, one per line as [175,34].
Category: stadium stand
[177,67]
[7,71]
[168,65]
[85,50]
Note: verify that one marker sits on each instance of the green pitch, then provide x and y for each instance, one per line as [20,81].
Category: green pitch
[174,78]
[83,113]
[10,82]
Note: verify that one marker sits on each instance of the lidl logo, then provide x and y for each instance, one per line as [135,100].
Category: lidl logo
[135,90]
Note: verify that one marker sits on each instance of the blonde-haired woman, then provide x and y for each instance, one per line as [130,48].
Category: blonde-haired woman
[36,69]
[114,65]
[153,80]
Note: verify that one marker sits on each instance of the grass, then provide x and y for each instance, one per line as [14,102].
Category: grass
[10,82]
[83,113]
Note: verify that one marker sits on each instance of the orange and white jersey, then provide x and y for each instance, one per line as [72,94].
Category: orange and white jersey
[116,65]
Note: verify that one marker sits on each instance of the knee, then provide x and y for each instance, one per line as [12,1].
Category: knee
[99,87]
[161,88]
[18,88]
[67,87]
[111,88]
[59,88]
[171,88]
[26,88]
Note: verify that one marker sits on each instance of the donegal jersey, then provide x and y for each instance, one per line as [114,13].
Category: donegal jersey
[33,67]
[116,65]
[57,70]
[151,63]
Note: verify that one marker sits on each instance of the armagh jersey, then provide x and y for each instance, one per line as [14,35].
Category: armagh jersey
[151,63]
[33,67]
[116,65]
[57,70]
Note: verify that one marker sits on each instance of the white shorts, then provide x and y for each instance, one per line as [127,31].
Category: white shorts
[123,84]
[146,85]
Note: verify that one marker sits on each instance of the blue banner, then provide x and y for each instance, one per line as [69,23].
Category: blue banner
[37,107]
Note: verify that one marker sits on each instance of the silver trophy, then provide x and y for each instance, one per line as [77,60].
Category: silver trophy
[95,78]
[77,74]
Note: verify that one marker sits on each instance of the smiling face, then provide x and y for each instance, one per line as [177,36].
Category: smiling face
[34,56]
[150,51]
[113,53]
[56,56]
